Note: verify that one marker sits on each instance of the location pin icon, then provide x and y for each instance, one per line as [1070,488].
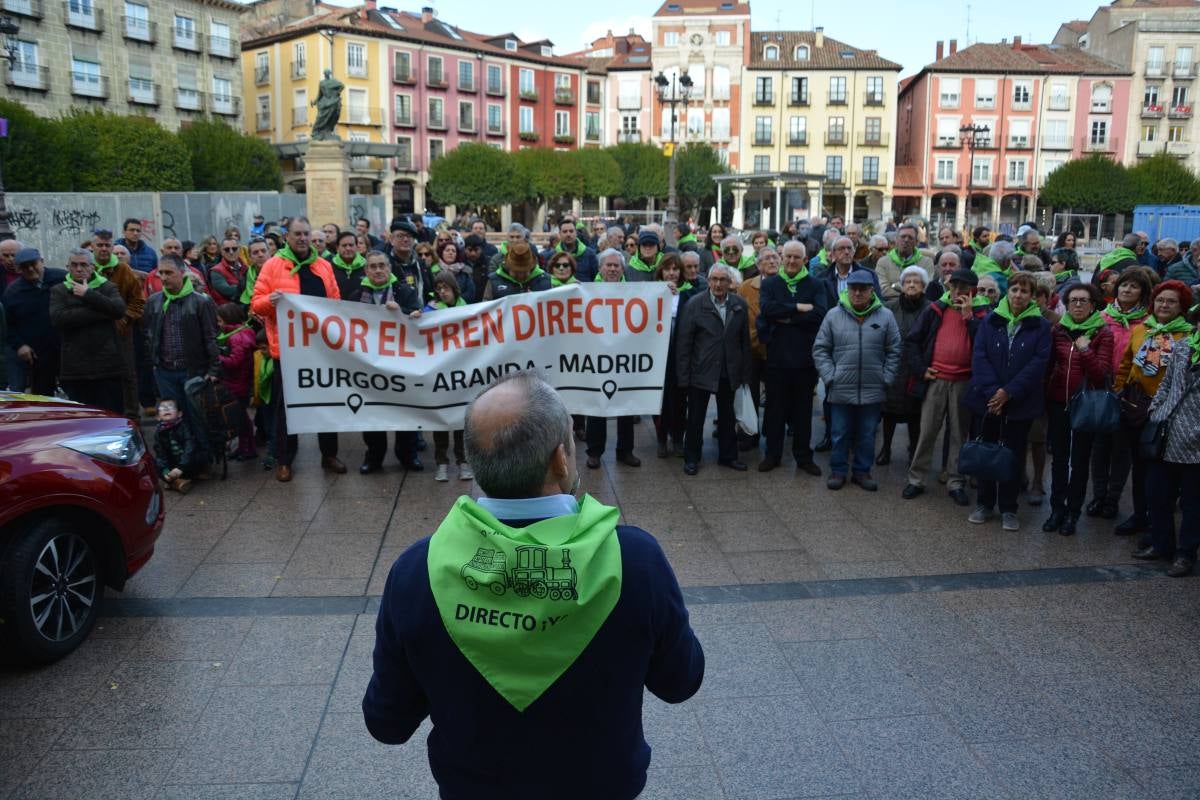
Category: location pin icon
[355,402]
[609,388]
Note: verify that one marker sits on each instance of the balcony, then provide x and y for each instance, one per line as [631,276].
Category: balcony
[361,115]
[836,178]
[798,138]
[222,47]
[187,39]
[1059,103]
[798,100]
[1181,149]
[629,102]
[467,86]
[985,103]
[763,139]
[189,100]
[262,76]
[405,119]
[143,93]
[84,16]
[357,69]
[136,29]
[946,143]
[1022,105]
[1019,143]
[262,121]
[495,129]
[299,69]
[564,97]
[870,178]
[299,116]
[224,104]
[495,88]
[983,182]
[629,137]
[28,76]
[436,122]
[946,181]
[873,99]
[836,100]
[85,84]
[720,92]
[1179,112]
[530,95]
[1097,145]
[835,138]
[1155,69]
[872,139]
[984,143]
[402,73]
[1183,72]
[1051,142]
[564,138]
[24,8]
[764,99]
[436,80]
[466,124]
[404,163]
[1146,149]
[720,134]
[1016,181]
[1152,112]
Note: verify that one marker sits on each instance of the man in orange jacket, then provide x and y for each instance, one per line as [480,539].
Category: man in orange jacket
[295,269]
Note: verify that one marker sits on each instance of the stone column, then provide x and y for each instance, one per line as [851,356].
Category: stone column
[326,182]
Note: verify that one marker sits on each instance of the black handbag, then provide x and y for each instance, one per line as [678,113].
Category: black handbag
[987,461]
[1135,405]
[1094,411]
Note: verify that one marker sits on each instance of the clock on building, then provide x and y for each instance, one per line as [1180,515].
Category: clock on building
[697,40]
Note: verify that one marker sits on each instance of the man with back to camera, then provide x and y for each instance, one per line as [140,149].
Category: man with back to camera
[529,621]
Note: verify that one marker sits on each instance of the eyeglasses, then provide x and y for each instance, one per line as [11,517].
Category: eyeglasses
[1079,301]
[229,249]
[729,250]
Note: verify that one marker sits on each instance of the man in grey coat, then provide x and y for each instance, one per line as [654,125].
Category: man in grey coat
[712,356]
[857,353]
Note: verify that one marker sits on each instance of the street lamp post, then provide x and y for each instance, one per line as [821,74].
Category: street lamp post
[670,94]
[970,131]
[9,30]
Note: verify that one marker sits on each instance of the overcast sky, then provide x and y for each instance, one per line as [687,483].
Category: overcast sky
[908,37]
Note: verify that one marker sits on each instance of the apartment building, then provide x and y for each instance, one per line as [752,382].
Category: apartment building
[979,129]
[816,105]
[1159,43]
[174,61]
[619,80]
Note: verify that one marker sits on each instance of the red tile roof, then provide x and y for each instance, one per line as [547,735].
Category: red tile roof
[679,8]
[1025,59]
[832,54]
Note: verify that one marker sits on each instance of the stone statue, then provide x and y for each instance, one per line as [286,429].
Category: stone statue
[329,108]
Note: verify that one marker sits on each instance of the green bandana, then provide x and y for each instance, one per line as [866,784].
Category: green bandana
[103,268]
[580,247]
[976,246]
[1033,310]
[503,248]
[822,257]
[522,603]
[977,301]
[460,302]
[1134,315]
[844,300]
[1115,255]
[168,297]
[691,237]
[903,262]
[793,282]
[986,265]
[379,288]
[251,279]
[686,286]
[1088,327]
[555,282]
[1177,325]
[358,263]
[92,283]
[1064,276]
[600,278]
[286,252]
[534,273]
[223,337]
[747,262]
[1193,342]
[641,266]
[266,372]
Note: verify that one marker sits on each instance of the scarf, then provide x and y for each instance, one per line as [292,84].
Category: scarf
[986,265]
[223,337]
[376,287]
[691,237]
[600,278]
[286,253]
[1033,310]
[264,371]
[549,588]
[793,282]
[822,258]
[533,273]
[844,301]
[555,282]
[1193,342]
[92,283]
[1177,325]
[358,263]
[1086,328]
[460,302]
[1064,276]
[168,297]
[1115,255]
[580,248]
[1134,315]
[902,263]
[103,268]
[976,301]
[976,246]
[641,266]
[686,286]
[1143,359]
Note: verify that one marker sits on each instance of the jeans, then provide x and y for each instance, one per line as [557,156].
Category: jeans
[441,447]
[855,426]
[171,385]
[286,445]
[697,410]
[597,435]
[1166,483]
[1072,454]
[942,404]
[791,394]
[1015,437]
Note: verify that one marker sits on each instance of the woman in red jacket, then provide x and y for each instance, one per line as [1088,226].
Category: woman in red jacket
[1081,358]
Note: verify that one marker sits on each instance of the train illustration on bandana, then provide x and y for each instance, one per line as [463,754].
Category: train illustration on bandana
[531,576]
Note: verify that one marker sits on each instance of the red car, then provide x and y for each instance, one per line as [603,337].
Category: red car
[80,508]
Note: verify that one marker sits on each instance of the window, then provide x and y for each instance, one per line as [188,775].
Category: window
[510,45]
[837,131]
[670,38]
[870,169]
[1018,133]
[593,92]
[629,93]
[1179,96]
[695,123]
[1101,98]
[25,69]
[356,106]
[525,82]
[1099,135]
[1150,96]
[1054,133]
[220,43]
[404,115]
[720,124]
[1016,173]
[668,125]
[763,95]
[947,132]
[948,94]
[299,107]
[494,118]
[762,163]
[562,81]
[187,91]
[1149,133]
[944,172]
[985,92]
[981,172]
[875,91]
[185,32]
[82,14]
[437,118]
[404,152]
[795,163]
[299,60]
[696,73]
[873,130]
[466,115]
[85,77]
[720,83]
[762,130]
[356,59]
[141,81]
[525,120]
[722,38]
[495,79]
[437,76]
[1059,96]
[262,120]
[1154,60]
[1175,133]
[262,67]
[799,96]
[137,21]
[801,53]
[629,127]
[562,123]
[1049,165]
[436,148]
[466,76]
[222,96]
[591,125]
[1183,60]
[1020,95]
[833,169]
[771,53]
[402,67]
[837,90]
[797,130]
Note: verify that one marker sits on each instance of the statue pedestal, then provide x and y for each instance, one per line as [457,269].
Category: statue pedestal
[327,183]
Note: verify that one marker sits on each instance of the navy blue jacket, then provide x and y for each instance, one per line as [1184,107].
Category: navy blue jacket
[829,277]
[27,309]
[583,738]
[142,258]
[791,334]
[587,265]
[1019,368]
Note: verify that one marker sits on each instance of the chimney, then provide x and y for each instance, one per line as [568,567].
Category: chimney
[939,51]
[1016,43]
[820,37]
[953,46]
[371,5]
[426,14]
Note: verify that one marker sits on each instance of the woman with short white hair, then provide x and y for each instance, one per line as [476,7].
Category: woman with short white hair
[899,404]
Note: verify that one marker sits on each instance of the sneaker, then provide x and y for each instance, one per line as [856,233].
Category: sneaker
[980,515]
[465,473]
[443,473]
[1009,521]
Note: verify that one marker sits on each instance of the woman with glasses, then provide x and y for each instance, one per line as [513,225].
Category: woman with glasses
[1064,263]
[989,288]
[631,246]
[425,255]
[1080,359]
[561,269]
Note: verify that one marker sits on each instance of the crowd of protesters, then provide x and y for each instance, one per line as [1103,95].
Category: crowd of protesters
[976,337]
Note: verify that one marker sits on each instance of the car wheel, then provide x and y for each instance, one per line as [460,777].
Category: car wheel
[50,591]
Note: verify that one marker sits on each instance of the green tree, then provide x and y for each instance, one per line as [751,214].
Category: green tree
[694,167]
[1094,184]
[226,159]
[602,175]
[474,175]
[1163,178]
[113,153]
[33,156]
[643,170]
[547,174]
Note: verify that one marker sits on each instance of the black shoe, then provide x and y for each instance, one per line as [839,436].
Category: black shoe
[628,459]
[368,467]
[1109,511]
[1148,553]
[735,465]
[1095,507]
[884,458]
[1182,565]
[1132,524]
[747,443]
[413,464]
[959,496]
[912,491]
[690,468]
[593,462]
[768,464]
[810,468]
[825,445]
[1068,526]
[1054,521]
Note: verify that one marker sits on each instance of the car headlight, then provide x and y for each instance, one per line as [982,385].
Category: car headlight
[122,448]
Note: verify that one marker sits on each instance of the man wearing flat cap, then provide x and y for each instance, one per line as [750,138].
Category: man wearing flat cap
[32,340]
[405,264]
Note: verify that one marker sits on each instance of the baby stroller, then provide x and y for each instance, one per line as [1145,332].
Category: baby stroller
[219,412]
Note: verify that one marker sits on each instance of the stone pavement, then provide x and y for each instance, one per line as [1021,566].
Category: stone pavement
[858,646]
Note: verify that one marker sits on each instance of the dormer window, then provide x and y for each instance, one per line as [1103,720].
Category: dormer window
[510,45]
[547,51]
[771,53]
[802,52]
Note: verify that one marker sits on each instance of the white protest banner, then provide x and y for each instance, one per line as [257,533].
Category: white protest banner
[359,367]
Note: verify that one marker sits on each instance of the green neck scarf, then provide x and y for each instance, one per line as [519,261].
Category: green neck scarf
[460,302]
[1064,276]
[986,265]
[377,287]
[686,286]
[600,278]
[746,262]
[105,267]
[286,252]
[533,273]
[844,301]
[266,371]
[1032,310]
[358,263]
[822,257]
[580,247]
[976,301]
[1194,346]
[503,248]
[1177,325]
[793,282]
[976,246]
[168,297]
[641,266]
[1133,315]
[522,603]
[555,282]
[224,336]
[903,262]
[690,237]
[1088,327]
[1115,255]
[92,283]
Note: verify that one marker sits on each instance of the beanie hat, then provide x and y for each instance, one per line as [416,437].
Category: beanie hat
[519,256]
